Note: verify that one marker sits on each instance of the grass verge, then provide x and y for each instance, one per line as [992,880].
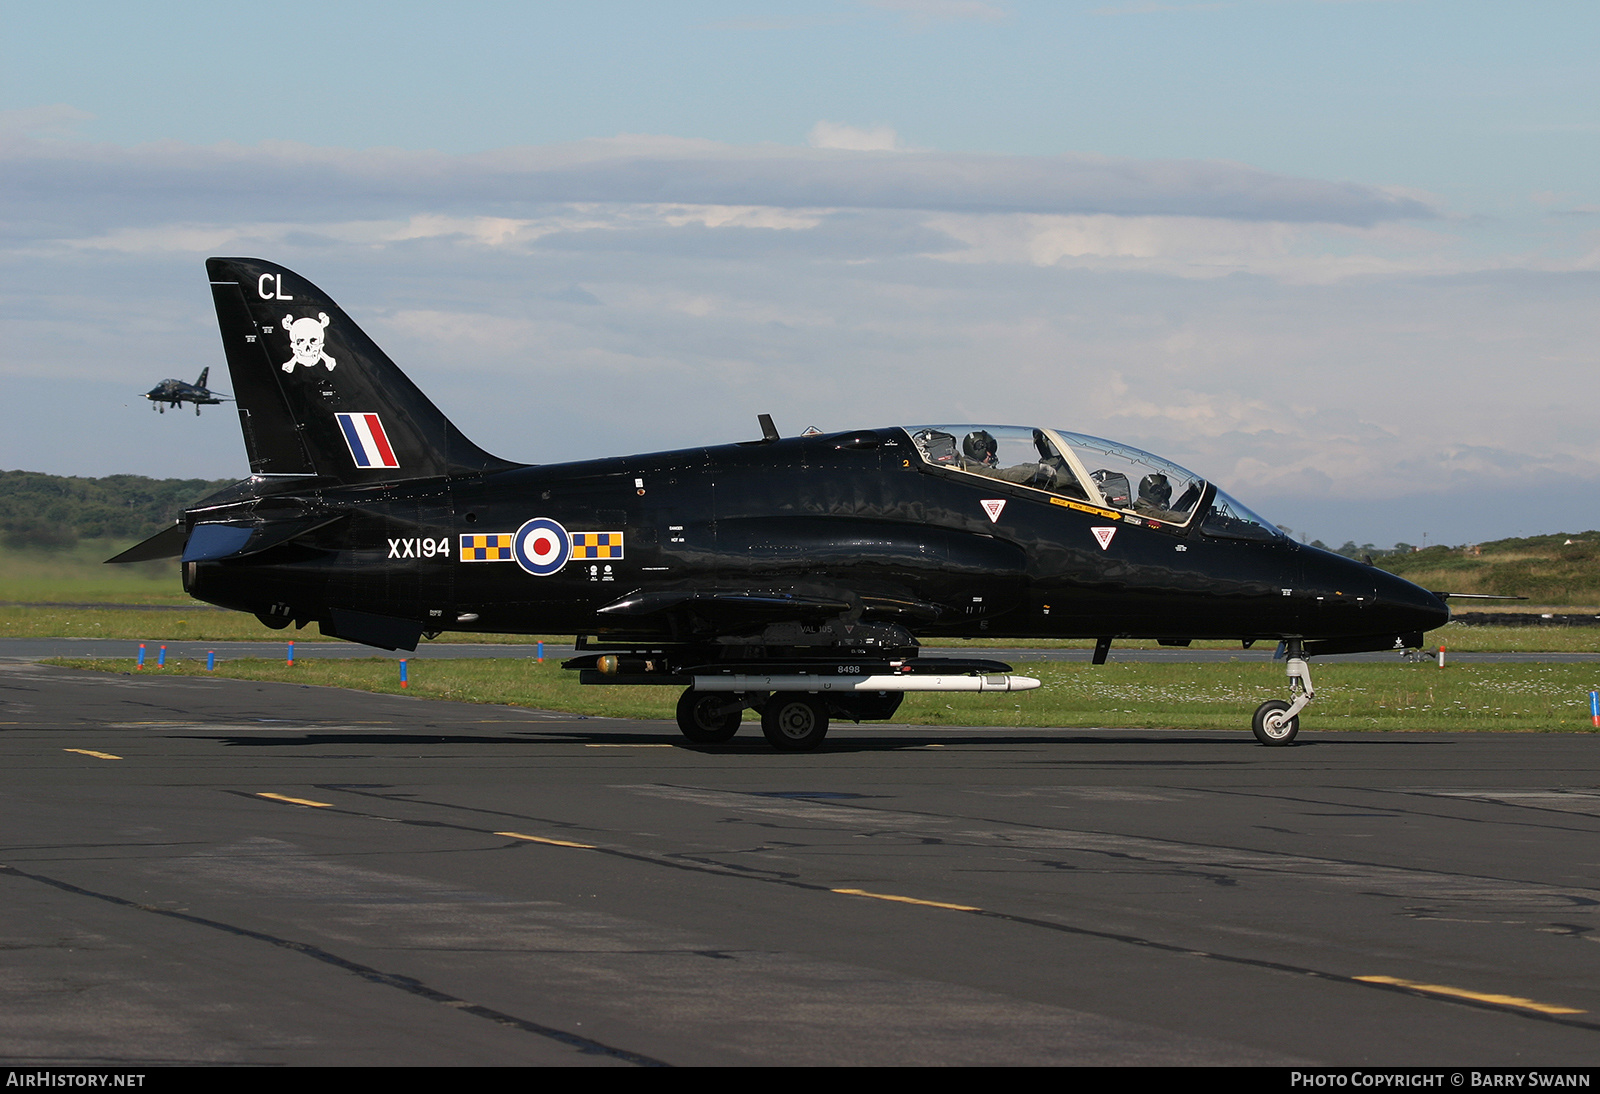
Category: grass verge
[1504,698]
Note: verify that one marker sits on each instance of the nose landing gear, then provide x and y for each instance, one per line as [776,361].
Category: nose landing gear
[1276,722]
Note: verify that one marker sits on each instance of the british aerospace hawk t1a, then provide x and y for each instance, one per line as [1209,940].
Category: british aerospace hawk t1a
[175,393]
[789,575]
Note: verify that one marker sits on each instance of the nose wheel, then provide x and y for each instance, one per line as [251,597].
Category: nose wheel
[1276,722]
[1273,725]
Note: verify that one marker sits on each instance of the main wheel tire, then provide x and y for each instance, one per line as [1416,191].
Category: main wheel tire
[794,722]
[702,719]
[1271,727]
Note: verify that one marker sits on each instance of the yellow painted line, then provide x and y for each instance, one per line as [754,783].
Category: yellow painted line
[551,842]
[1479,996]
[907,900]
[296,801]
[92,752]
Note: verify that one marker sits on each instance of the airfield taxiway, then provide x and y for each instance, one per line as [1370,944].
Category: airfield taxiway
[201,870]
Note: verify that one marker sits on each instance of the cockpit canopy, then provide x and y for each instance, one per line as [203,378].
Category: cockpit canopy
[1090,470]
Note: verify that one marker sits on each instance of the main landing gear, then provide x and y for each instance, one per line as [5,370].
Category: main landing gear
[792,721]
[710,717]
[1276,722]
[797,677]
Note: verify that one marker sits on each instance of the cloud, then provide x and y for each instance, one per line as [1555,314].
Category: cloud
[1203,247]
[880,138]
[49,182]
[1293,338]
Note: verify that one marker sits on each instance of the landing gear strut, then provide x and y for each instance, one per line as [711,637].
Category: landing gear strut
[1276,722]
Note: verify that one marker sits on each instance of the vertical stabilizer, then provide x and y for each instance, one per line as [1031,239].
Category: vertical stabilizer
[318,397]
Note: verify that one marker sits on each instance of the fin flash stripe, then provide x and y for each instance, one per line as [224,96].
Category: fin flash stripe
[368,443]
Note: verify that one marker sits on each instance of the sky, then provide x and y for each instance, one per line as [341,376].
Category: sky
[1340,256]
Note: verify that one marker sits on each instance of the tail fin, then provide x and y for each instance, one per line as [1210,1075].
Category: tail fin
[317,396]
[201,383]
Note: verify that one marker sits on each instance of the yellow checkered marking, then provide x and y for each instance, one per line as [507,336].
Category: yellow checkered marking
[588,545]
[487,547]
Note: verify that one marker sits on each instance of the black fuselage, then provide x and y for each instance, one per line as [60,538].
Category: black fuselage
[707,540]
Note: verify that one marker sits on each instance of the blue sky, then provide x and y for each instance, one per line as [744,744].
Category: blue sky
[1340,256]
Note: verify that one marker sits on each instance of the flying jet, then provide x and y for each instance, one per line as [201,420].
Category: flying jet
[175,392]
[793,576]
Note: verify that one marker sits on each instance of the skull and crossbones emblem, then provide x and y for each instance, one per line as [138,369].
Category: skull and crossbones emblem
[306,338]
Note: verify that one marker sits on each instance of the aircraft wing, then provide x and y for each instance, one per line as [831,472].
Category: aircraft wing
[721,609]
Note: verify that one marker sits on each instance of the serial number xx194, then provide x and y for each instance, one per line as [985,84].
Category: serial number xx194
[420,548]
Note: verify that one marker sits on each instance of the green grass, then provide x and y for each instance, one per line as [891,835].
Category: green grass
[202,624]
[77,575]
[1515,698]
[1547,570]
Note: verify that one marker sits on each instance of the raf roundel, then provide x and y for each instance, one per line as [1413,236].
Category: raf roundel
[542,547]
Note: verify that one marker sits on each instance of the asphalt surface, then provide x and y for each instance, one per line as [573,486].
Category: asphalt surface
[200,870]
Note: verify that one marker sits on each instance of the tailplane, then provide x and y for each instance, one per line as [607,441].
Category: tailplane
[317,396]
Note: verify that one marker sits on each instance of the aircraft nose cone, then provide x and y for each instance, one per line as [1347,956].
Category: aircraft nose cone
[1408,607]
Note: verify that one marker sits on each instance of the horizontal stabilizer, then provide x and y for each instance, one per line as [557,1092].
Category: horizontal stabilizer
[210,542]
[167,543]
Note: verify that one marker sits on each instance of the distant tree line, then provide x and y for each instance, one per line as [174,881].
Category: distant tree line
[1366,550]
[54,511]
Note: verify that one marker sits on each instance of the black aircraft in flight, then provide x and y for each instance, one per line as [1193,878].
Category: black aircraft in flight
[789,575]
[175,392]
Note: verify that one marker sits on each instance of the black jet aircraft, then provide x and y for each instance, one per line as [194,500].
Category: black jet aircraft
[175,392]
[792,576]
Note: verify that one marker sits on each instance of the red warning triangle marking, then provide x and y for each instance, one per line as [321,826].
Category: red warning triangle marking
[1104,536]
[992,506]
